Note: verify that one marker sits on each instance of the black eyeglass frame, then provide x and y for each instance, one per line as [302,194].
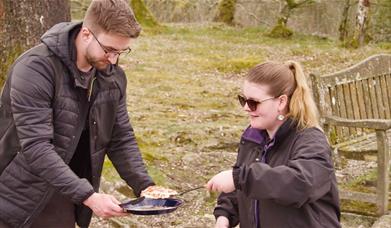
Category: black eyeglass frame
[251,103]
[113,52]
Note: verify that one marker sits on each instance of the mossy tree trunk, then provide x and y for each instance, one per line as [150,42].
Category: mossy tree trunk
[143,14]
[226,11]
[22,23]
[343,26]
[281,29]
[78,8]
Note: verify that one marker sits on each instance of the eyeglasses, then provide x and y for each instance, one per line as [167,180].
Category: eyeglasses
[252,104]
[109,51]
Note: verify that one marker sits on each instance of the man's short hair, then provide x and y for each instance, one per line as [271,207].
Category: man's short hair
[112,16]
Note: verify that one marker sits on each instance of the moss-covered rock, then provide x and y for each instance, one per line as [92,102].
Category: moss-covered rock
[280,31]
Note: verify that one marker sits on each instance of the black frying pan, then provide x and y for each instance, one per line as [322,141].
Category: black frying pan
[148,206]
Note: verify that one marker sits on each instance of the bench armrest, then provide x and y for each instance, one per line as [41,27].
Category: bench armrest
[377,124]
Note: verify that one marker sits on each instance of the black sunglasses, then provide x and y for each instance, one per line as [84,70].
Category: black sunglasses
[252,104]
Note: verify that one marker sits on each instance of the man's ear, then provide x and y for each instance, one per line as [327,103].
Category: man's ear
[85,33]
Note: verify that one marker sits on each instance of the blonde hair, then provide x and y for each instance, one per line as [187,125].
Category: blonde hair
[288,79]
[112,16]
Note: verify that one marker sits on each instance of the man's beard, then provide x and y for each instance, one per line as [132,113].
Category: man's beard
[99,64]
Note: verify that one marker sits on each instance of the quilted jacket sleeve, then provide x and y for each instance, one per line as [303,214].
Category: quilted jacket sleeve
[227,206]
[32,90]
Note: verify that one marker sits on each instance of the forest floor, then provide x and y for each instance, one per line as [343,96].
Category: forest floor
[182,85]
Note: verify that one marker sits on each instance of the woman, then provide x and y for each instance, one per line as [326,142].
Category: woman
[283,175]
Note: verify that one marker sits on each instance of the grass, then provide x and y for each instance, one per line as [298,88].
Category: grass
[182,86]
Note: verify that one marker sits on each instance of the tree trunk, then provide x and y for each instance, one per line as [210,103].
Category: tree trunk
[362,20]
[343,27]
[22,24]
[281,29]
[226,12]
[143,14]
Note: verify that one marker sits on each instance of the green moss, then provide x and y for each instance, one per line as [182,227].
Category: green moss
[158,176]
[109,171]
[280,31]
[351,43]
[226,11]
[385,45]
[7,59]
[365,183]
[235,65]
[151,156]
[126,190]
[333,136]
[357,207]
[143,15]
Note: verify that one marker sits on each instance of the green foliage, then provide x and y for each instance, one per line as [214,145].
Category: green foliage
[142,13]
[226,11]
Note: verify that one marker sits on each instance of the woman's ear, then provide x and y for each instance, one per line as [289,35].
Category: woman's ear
[282,103]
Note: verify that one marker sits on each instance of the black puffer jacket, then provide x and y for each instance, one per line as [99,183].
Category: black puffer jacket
[289,182]
[49,112]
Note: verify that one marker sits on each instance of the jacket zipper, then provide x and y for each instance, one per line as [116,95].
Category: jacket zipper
[45,196]
[257,213]
[90,88]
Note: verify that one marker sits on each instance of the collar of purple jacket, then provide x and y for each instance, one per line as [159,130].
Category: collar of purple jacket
[260,136]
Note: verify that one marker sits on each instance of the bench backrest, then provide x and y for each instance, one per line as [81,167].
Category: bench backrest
[362,91]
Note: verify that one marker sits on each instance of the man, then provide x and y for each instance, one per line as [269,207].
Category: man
[66,103]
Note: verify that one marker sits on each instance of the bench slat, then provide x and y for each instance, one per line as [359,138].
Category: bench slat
[386,101]
[355,109]
[358,196]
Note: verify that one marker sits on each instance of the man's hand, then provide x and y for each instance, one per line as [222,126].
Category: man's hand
[104,205]
[222,222]
[222,182]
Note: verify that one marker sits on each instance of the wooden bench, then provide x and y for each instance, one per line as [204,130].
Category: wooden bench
[355,110]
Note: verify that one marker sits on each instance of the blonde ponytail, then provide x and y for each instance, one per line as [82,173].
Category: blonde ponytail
[302,107]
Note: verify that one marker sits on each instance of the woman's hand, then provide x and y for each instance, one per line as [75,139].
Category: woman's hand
[104,206]
[222,222]
[222,182]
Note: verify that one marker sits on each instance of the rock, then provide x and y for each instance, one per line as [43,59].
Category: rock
[383,222]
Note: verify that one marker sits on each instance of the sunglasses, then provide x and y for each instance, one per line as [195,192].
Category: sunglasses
[252,104]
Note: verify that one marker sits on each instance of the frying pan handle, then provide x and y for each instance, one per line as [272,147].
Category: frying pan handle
[189,190]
